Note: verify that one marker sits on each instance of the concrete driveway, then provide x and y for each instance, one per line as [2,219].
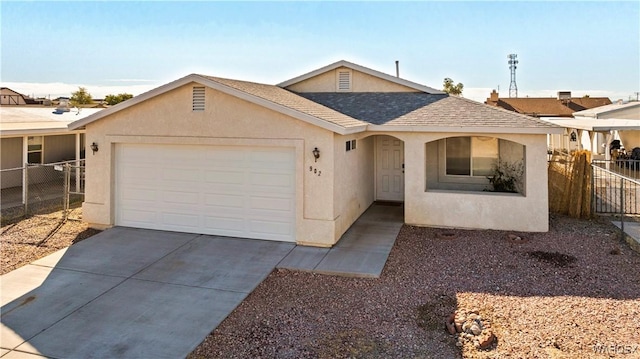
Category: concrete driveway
[130,293]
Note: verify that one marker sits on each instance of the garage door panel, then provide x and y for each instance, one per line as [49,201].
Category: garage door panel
[224,223]
[181,175]
[270,228]
[224,176]
[132,193]
[231,191]
[223,200]
[272,204]
[182,197]
[177,220]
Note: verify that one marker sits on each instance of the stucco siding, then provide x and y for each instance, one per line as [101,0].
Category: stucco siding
[482,210]
[11,154]
[360,82]
[227,120]
[354,180]
[59,148]
[11,157]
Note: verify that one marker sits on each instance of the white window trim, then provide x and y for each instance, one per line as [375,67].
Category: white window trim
[27,151]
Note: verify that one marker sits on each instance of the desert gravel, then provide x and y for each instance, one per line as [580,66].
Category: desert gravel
[559,294]
[35,237]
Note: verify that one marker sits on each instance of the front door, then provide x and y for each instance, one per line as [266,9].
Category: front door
[389,169]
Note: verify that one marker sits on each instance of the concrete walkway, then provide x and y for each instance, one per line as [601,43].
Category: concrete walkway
[361,252]
[134,293]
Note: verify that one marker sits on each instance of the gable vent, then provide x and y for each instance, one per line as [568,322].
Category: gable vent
[344,80]
[198,98]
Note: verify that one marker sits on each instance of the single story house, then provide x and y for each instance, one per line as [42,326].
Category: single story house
[302,160]
[37,135]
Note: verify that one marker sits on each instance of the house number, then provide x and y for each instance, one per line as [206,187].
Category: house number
[315,170]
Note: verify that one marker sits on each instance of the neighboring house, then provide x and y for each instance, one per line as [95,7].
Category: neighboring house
[594,129]
[10,97]
[301,161]
[561,106]
[37,135]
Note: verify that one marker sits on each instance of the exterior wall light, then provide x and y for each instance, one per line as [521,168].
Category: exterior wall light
[316,153]
[94,148]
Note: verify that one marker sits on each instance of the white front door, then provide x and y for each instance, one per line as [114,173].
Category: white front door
[389,169]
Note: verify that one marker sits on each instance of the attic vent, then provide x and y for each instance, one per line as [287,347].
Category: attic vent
[198,98]
[344,80]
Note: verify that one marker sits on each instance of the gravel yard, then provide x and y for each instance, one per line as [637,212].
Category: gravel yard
[38,236]
[573,292]
[559,294]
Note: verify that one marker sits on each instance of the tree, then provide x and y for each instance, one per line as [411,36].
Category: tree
[81,97]
[452,89]
[116,99]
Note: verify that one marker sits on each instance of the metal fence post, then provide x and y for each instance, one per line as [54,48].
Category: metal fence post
[622,199]
[66,190]
[25,188]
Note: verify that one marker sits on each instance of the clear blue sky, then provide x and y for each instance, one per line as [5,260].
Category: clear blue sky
[579,46]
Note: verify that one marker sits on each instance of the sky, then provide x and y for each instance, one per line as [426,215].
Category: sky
[589,48]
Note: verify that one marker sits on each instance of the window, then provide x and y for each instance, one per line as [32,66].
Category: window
[34,149]
[344,81]
[350,145]
[471,156]
[198,98]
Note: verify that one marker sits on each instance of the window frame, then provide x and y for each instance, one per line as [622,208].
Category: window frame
[40,150]
[443,176]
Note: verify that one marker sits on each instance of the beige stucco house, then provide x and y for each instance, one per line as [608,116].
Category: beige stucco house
[302,160]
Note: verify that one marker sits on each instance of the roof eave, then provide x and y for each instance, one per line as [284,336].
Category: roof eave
[134,101]
[222,88]
[40,132]
[462,129]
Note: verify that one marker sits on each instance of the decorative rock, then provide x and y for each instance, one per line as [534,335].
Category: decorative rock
[466,326]
[486,340]
[475,329]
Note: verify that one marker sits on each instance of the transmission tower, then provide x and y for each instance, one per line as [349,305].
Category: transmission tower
[513,88]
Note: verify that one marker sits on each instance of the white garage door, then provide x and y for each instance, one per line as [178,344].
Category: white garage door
[223,190]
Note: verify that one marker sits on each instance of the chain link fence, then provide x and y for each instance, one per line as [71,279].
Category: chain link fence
[42,188]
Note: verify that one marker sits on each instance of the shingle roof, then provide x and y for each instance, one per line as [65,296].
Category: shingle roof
[552,107]
[421,109]
[289,99]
